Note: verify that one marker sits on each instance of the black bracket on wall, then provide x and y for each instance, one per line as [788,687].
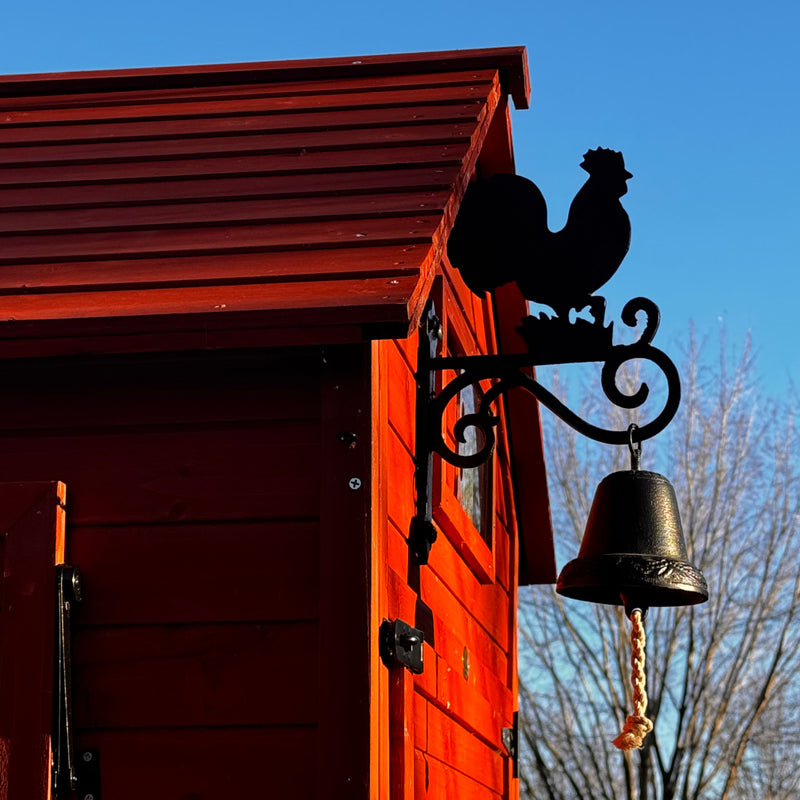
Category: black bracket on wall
[401,645]
[510,737]
[550,341]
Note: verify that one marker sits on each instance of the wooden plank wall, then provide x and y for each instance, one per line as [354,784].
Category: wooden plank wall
[194,515]
[446,724]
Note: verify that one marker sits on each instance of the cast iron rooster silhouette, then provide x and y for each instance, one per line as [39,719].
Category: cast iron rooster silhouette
[501,235]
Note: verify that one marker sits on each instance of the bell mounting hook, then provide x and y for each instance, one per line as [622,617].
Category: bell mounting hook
[634,447]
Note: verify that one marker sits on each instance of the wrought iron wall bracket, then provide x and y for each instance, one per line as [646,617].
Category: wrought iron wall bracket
[550,341]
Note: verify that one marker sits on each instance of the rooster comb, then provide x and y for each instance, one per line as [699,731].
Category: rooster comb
[603,159]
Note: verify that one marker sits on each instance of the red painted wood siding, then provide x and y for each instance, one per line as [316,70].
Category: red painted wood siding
[235,576]
[203,521]
[260,198]
[445,725]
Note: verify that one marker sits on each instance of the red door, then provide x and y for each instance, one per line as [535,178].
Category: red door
[32,527]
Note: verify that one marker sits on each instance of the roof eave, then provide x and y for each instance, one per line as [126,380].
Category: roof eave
[511,61]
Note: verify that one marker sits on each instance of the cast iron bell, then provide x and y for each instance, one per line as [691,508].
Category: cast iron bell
[633,552]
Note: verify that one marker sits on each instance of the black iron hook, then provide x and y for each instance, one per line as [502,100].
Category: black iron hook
[634,446]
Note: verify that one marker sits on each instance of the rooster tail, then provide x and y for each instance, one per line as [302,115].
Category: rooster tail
[500,220]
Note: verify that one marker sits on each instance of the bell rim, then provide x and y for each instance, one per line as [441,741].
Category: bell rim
[631,574]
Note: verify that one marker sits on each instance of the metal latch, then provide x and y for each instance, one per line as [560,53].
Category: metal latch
[68,592]
[510,737]
[401,644]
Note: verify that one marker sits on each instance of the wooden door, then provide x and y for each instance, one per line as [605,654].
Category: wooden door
[32,543]
[446,725]
[220,650]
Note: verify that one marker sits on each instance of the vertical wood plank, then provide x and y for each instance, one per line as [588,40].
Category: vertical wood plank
[344,762]
[32,525]
[420,776]
[380,695]
[402,734]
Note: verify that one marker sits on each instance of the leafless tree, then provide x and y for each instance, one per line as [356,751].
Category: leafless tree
[722,678]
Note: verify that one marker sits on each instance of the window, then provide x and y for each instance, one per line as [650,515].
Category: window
[463,502]
[473,484]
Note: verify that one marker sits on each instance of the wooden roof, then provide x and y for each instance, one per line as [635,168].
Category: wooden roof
[266,201]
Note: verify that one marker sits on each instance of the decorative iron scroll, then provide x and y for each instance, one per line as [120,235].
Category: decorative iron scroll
[550,341]
[508,372]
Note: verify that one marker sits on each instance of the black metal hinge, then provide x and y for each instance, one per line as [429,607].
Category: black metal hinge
[88,769]
[510,737]
[72,772]
[400,644]
[68,592]
[422,533]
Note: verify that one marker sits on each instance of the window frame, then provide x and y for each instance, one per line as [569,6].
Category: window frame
[448,512]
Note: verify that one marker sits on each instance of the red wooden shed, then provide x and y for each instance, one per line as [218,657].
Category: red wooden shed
[211,282]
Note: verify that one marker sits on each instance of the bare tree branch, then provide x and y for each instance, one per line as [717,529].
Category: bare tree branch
[723,678]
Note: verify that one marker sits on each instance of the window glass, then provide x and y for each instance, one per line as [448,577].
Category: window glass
[473,483]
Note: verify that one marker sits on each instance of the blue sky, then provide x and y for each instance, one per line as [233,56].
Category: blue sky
[701,97]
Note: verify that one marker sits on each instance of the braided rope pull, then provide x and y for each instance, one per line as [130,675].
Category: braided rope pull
[637,725]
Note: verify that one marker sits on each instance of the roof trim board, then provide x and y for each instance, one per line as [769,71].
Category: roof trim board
[512,61]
